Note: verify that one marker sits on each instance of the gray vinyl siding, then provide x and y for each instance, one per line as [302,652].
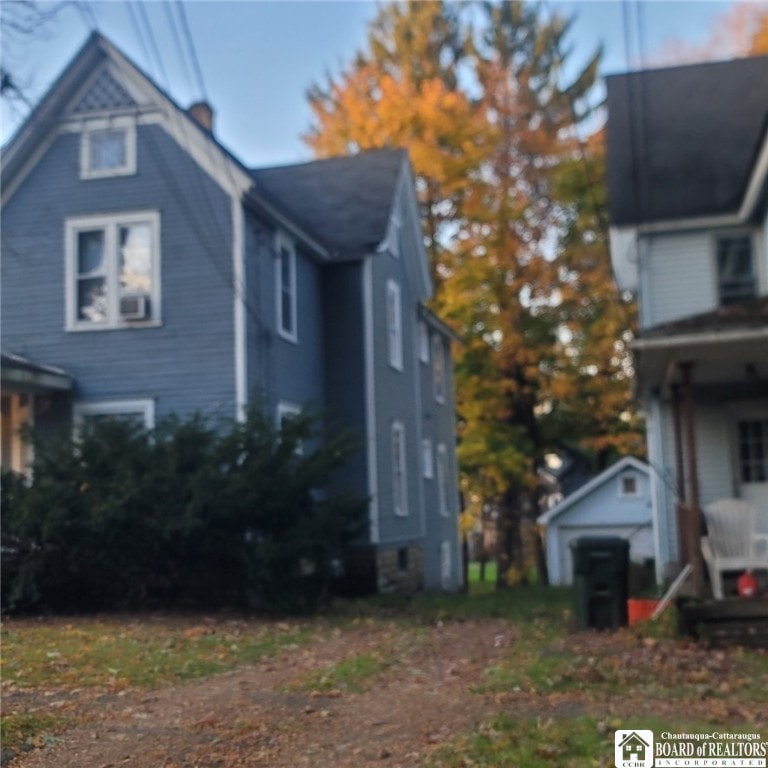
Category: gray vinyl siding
[395,392]
[679,279]
[299,365]
[280,370]
[186,364]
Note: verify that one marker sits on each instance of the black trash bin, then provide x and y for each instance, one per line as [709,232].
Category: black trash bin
[600,581]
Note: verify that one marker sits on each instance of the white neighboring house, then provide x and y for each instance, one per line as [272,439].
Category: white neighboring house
[687,170]
[615,503]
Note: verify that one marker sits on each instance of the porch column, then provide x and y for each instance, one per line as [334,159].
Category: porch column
[679,475]
[692,531]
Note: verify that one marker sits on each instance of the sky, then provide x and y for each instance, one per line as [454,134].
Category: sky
[258,57]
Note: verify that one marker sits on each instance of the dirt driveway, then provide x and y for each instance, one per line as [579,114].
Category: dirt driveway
[266,714]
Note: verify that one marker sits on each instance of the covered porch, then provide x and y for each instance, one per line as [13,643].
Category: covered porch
[30,392]
[708,376]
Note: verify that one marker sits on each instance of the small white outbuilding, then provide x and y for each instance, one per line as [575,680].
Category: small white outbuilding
[615,503]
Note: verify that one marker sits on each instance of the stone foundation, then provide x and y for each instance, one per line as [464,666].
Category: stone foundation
[400,570]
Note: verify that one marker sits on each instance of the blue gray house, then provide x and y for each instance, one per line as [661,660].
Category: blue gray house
[146,271]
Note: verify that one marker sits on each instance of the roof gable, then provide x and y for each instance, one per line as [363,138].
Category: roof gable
[344,202]
[684,142]
[628,462]
[101,80]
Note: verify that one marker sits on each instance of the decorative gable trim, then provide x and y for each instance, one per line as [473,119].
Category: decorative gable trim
[151,104]
[103,93]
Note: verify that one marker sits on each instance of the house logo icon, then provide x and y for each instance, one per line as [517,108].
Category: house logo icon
[633,749]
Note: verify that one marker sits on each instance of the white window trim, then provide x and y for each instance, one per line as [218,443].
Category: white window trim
[109,224]
[399,473]
[85,408]
[446,564]
[287,408]
[427,459]
[395,227]
[726,234]
[438,358]
[423,337]
[126,124]
[443,476]
[283,242]
[623,493]
[394,332]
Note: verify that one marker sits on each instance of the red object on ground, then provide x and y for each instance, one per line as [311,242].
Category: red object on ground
[747,584]
[640,610]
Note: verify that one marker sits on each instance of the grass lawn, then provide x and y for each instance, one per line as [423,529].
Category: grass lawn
[590,683]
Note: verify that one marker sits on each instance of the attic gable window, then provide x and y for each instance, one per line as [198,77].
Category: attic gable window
[628,486]
[736,279]
[108,148]
[113,271]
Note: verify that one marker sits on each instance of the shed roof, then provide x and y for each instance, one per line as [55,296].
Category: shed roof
[683,142]
[626,463]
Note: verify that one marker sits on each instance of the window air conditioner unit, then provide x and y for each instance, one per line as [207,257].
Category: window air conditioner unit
[134,307]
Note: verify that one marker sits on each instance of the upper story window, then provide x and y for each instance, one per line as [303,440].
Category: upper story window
[443,477]
[113,271]
[736,277]
[423,333]
[285,287]
[394,325]
[108,148]
[438,368]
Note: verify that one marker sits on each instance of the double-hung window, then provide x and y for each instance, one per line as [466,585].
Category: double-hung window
[108,148]
[753,451]
[736,277]
[287,412]
[394,325]
[423,340]
[427,460]
[443,477]
[285,288]
[399,480]
[113,271]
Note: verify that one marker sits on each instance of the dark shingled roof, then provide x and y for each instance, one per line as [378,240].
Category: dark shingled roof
[343,202]
[752,313]
[682,141]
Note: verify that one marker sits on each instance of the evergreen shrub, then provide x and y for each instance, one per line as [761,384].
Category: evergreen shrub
[183,515]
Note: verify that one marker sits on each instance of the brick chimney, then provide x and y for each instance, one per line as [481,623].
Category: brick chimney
[202,113]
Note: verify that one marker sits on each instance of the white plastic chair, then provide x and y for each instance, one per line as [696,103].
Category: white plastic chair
[737,540]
